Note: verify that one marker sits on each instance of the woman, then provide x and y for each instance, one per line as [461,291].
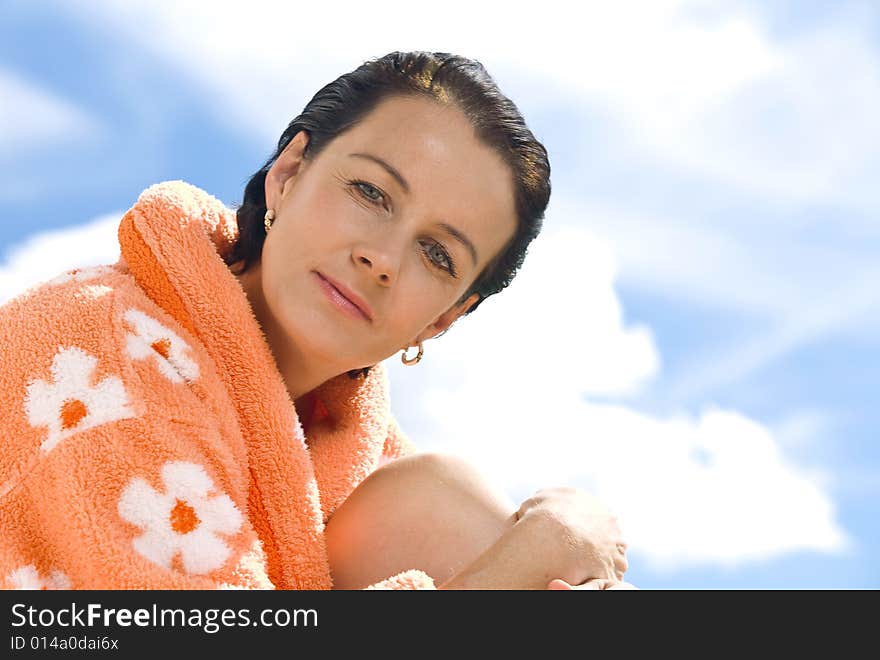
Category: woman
[211,411]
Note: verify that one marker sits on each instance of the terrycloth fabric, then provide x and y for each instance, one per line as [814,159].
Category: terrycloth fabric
[148,438]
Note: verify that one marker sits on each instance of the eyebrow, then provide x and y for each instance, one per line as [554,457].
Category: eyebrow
[449,229]
[393,172]
[461,238]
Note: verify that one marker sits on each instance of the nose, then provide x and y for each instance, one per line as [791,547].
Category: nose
[379,262]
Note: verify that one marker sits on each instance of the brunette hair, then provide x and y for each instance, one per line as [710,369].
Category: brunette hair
[448,79]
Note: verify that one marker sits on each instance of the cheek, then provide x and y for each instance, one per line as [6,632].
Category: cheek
[329,212]
[413,314]
[310,227]
[276,281]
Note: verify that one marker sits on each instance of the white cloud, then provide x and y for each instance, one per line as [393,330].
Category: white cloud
[514,389]
[703,89]
[806,130]
[801,293]
[644,66]
[825,315]
[43,256]
[31,116]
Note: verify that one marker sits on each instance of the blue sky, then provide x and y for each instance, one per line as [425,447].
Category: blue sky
[709,365]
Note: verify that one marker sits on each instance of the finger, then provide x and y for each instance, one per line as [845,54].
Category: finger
[527,504]
[590,585]
[598,584]
[559,585]
[621,565]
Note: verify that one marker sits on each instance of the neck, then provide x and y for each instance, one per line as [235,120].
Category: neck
[300,371]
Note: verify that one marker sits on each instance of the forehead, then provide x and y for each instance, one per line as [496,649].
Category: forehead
[452,175]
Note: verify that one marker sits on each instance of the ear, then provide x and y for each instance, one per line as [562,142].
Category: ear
[445,320]
[283,172]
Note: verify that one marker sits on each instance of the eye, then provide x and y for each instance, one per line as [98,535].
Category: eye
[439,257]
[369,191]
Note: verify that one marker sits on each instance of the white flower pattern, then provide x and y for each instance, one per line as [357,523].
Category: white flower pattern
[183,519]
[27,577]
[151,339]
[70,404]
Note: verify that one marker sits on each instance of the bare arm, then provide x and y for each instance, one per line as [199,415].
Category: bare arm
[522,558]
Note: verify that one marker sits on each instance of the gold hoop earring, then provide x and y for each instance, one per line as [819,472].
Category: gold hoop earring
[268,218]
[413,360]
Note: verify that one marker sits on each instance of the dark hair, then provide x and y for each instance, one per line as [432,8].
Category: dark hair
[448,79]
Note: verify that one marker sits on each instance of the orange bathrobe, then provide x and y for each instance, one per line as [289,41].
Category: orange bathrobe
[148,440]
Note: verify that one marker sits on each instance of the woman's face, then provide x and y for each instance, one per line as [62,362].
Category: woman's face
[407,240]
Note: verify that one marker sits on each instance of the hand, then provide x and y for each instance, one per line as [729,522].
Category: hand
[591,585]
[589,542]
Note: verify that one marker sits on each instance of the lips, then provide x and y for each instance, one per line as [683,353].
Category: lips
[349,295]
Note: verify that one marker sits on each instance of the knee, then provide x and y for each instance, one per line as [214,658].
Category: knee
[431,511]
[436,479]
[430,468]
